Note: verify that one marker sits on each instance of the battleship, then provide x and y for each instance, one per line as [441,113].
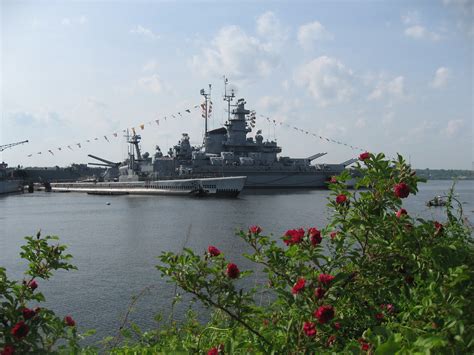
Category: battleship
[226,151]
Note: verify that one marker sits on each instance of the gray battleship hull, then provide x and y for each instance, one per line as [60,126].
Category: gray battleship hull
[277,180]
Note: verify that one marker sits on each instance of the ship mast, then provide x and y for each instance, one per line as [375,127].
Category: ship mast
[228,98]
[207,96]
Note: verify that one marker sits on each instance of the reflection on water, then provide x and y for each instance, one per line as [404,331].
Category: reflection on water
[115,246]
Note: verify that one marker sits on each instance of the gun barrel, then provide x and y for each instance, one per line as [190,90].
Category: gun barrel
[102,160]
[316,156]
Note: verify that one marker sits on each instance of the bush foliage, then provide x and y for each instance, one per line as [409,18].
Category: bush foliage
[374,280]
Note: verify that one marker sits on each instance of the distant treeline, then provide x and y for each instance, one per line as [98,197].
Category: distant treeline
[442,174]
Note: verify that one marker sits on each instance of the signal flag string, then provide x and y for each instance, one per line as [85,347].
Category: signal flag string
[311,133]
[115,134]
[252,118]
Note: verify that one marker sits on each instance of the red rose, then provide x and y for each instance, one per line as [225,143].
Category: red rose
[213,351]
[293,236]
[315,236]
[333,235]
[8,350]
[364,346]
[401,212]
[438,226]
[213,250]
[389,307]
[28,313]
[333,180]
[324,314]
[20,330]
[310,329]
[340,199]
[69,321]
[232,271]
[379,316]
[325,279]
[364,156]
[33,285]
[401,190]
[255,229]
[299,285]
[331,340]
[319,293]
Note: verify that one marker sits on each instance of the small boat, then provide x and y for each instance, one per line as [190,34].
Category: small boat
[437,201]
[219,186]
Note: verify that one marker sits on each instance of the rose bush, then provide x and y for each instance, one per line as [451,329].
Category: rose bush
[25,330]
[373,280]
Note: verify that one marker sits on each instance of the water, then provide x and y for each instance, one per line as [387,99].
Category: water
[115,246]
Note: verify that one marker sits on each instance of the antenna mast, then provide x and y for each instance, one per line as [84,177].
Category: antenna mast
[206,98]
[228,98]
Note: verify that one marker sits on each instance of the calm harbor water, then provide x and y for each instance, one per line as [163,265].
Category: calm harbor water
[115,246]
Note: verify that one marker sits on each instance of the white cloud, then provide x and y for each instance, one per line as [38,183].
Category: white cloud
[454,127]
[392,89]
[151,65]
[152,83]
[142,31]
[237,54]
[420,32]
[311,32]
[269,28]
[441,78]
[326,79]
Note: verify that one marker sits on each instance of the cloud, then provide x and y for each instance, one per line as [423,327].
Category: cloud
[151,65]
[142,31]
[278,107]
[391,89]
[270,29]
[312,32]
[454,127]
[415,29]
[420,32]
[152,83]
[70,21]
[441,78]
[326,79]
[237,54]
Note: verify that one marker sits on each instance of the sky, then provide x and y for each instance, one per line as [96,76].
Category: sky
[383,76]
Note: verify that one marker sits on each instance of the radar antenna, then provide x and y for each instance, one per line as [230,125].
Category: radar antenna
[228,98]
[207,96]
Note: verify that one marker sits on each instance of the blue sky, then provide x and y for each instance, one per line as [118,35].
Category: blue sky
[388,76]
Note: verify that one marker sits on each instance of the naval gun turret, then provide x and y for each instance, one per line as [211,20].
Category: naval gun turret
[112,172]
